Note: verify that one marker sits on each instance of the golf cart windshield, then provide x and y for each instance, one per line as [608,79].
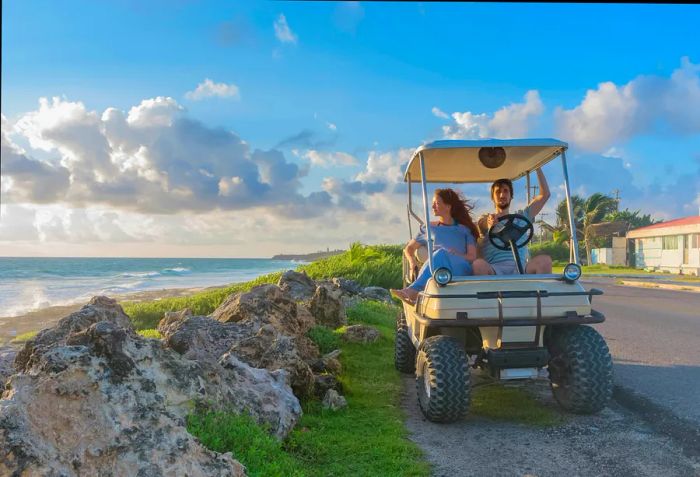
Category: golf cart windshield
[485,160]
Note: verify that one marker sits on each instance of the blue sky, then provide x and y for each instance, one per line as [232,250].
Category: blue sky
[333,96]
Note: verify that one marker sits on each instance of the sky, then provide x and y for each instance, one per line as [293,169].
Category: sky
[188,128]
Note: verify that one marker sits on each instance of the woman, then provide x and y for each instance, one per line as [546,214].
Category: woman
[453,238]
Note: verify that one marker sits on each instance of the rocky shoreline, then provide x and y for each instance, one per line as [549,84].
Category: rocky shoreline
[90,396]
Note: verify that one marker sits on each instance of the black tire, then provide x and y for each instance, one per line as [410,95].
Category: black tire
[404,352]
[580,369]
[443,381]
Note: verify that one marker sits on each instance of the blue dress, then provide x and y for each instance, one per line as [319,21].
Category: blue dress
[445,237]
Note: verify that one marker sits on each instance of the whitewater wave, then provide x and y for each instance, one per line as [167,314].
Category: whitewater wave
[154,274]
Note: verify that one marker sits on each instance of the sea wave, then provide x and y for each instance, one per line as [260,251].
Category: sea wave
[154,274]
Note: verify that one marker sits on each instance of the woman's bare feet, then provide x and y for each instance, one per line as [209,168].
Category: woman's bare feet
[407,294]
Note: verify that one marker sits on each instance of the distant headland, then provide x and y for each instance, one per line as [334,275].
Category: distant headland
[308,257]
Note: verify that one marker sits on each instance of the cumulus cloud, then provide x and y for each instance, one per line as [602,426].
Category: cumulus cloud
[511,121]
[328,159]
[282,30]
[209,89]
[152,160]
[613,114]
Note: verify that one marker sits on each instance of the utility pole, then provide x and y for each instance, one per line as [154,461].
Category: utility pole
[542,216]
[535,189]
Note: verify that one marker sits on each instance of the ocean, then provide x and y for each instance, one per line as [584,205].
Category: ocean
[28,284]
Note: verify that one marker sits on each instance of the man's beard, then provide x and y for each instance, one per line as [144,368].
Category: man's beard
[502,207]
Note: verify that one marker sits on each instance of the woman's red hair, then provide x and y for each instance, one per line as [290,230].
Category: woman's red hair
[460,208]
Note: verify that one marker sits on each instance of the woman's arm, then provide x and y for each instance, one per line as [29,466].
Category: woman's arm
[410,252]
[471,252]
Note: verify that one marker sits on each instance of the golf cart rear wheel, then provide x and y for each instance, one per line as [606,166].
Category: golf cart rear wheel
[580,369]
[404,352]
[442,379]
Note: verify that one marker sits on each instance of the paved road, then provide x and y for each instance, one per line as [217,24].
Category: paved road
[654,337]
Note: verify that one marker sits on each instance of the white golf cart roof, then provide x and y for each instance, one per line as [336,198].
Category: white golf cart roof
[457,161]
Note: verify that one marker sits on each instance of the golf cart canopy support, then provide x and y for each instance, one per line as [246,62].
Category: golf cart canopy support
[483,160]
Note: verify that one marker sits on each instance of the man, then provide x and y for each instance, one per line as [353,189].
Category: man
[501,262]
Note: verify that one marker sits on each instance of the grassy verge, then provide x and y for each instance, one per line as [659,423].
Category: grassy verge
[367,438]
[378,265]
[600,269]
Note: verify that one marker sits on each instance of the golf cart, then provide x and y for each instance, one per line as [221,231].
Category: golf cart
[508,326]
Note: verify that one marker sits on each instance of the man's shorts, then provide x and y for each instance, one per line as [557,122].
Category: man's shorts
[506,267]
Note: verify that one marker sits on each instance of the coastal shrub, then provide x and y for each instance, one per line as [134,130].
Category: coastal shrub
[558,251]
[377,265]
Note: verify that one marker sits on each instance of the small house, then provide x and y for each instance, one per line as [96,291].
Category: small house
[672,246]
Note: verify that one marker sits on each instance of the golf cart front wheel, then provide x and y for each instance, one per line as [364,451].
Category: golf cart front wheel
[442,379]
[404,352]
[580,369]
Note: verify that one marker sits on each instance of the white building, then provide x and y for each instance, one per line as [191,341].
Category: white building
[671,246]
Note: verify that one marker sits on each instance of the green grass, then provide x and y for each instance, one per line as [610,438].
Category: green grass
[146,315]
[368,438]
[502,403]
[326,339]
[378,265]
[601,269]
[255,448]
[24,337]
[151,333]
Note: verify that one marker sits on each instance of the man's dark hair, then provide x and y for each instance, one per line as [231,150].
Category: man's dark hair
[501,182]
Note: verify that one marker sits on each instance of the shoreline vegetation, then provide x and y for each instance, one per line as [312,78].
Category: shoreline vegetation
[368,437]
[308,257]
[19,328]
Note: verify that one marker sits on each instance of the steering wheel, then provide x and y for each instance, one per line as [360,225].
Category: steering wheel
[506,230]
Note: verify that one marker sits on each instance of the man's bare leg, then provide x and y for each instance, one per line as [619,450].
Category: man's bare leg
[482,267]
[541,264]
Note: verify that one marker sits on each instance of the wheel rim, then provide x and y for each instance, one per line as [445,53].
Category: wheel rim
[426,380]
[559,374]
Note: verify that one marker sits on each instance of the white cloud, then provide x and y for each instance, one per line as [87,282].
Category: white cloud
[437,112]
[467,126]
[149,160]
[512,121]
[282,30]
[515,119]
[613,114]
[328,159]
[209,89]
[332,126]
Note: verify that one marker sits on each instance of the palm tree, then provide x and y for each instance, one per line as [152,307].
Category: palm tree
[560,231]
[594,210]
[587,212]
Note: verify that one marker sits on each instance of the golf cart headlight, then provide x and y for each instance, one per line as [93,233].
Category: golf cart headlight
[572,272]
[442,276]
